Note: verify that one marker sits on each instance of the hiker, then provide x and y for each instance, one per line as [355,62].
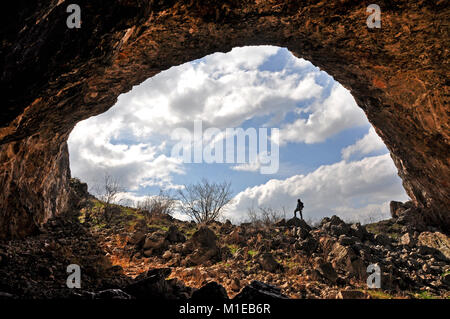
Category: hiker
[298,209]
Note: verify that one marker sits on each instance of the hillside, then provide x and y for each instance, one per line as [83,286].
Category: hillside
[139,255]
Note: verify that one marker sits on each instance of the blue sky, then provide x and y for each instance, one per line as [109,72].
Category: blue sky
[329,155]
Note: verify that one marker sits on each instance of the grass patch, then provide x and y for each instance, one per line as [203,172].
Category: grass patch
[425,295]
[394,230]
[252,252]
[100,225]
[378,294]
[162,227]
[233,248]
[190,232]
[289,263]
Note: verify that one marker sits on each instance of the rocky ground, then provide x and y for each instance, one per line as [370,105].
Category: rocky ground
[137,255]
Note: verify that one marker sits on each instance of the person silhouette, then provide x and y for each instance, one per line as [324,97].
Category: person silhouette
[299,209]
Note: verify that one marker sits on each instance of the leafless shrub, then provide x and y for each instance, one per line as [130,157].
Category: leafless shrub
[204,202]
[153,206]
[110,189]
[265,216]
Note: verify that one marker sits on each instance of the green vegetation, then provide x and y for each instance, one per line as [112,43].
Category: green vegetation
[252,253]
[393,230]
[378,294]
[425,295]
[162,227]
[121,216]
[233,248]
[189,231]
[289,263]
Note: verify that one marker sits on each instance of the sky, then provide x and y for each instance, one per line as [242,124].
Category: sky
[328,153]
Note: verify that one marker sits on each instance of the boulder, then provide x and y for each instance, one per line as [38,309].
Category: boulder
[155,241]
[235,237]
[167,254]
[382,239]
[151,285]
[202,256]
[345,259]
[408,240]
[396,208]
[300,232]
[336,221]
[259,291]
[174,235]
[446,279]
[226,227]
[359,231]
[212,291]
[136,238]
[268,263]
[324,221]
[412,218]
[235,284]
[112,294]
[347,241]
[437,241]
[297,222]
[204,245]
[351,294]
[280,223]
[335,226]
[327,271]
[204,238]
[327,244]
[308,245]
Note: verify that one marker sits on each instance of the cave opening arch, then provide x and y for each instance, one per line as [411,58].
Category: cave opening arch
[395,74]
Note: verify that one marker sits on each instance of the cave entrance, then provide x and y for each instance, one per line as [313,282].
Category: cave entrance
[325,151]
[394,72]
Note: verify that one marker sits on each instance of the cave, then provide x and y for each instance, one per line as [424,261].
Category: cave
[54,76]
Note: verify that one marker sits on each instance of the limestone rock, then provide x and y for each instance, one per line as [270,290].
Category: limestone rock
[437,241]
[408,240]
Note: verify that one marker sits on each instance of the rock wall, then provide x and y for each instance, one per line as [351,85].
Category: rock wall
[53,77]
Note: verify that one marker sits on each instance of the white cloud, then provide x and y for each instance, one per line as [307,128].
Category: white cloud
[224,90]
[93,154]
[335,114]
[350,190]
[371,142]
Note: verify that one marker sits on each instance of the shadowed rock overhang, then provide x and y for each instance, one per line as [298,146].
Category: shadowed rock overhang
[53,77]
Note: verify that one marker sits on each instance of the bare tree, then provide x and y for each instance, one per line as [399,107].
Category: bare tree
[162,204]
[204,202]
[110,189]
[265,216]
